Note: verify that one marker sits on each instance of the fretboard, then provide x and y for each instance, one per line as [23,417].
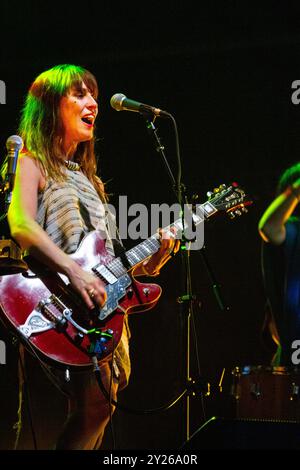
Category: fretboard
[150,246]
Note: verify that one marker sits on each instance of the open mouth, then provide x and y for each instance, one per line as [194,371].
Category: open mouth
[89,120]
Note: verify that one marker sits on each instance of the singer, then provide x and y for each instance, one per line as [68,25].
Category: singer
[59,197]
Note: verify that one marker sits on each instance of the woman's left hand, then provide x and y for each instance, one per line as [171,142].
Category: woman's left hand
[168,247]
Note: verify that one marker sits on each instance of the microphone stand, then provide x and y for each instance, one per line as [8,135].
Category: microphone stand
[188,298]
[11,259]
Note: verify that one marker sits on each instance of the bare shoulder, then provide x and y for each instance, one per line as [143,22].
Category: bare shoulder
[26,160]
[30,165]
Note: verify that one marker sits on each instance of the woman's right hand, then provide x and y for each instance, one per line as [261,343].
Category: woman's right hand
[90,287]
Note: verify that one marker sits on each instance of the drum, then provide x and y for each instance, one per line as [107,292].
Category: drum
[267,393]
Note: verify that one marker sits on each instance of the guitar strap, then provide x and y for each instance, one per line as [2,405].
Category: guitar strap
[119,249]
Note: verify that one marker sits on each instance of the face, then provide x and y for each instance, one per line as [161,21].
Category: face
[78,111]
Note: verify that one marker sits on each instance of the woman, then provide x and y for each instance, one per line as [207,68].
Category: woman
[57,199]
[279,228]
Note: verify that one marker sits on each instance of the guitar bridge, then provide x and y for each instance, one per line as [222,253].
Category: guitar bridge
[35,323]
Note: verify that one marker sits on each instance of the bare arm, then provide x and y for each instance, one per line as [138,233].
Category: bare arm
[27,232]
[272,224]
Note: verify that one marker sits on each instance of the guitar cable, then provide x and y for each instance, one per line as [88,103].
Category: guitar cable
[23,386]
[127,409]
[110,398]
[107,393]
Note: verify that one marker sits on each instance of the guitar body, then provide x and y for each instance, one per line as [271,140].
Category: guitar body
[44,296]
[52,320]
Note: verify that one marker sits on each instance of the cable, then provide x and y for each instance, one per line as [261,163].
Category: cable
[23,383]
[110,398]
[213,418]
[128,409]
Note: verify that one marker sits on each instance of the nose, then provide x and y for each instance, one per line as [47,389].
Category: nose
[92,103]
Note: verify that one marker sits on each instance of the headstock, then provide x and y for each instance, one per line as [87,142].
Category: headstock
[230,199]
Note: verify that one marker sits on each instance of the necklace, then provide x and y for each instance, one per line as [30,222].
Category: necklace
[73,166]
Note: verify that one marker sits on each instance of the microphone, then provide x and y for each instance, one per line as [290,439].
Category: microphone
[14,144]
[120,102]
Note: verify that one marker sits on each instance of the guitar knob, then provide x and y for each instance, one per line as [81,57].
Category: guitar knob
[130,293]
[146,291]
[79,338]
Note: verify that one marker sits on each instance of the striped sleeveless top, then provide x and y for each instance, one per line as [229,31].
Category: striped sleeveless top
[68,210]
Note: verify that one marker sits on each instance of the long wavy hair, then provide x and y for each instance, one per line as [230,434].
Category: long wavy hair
[41,126]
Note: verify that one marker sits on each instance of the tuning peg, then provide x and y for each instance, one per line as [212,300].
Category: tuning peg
[232,215]
[209,194]
[216,190]
[238,212]
[222,187]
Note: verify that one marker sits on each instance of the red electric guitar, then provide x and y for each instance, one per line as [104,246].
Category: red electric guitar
[51,319]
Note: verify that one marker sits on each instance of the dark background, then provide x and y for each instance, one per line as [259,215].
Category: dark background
[225,73]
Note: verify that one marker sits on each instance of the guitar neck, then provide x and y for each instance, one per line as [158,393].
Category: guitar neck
[150,246]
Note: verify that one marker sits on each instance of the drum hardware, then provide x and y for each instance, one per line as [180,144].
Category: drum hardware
[295,392]
[255,390]
[266,393]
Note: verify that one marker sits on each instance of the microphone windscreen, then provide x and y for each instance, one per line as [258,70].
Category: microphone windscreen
[116,101]
[14,142]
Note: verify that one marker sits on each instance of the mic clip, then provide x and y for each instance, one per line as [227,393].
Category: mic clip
[187,298]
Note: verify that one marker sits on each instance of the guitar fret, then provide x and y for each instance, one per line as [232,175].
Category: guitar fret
[106,274]
[141,252]
[147,250]
[117,267]
[130,258]
[153,243]
[133,258]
